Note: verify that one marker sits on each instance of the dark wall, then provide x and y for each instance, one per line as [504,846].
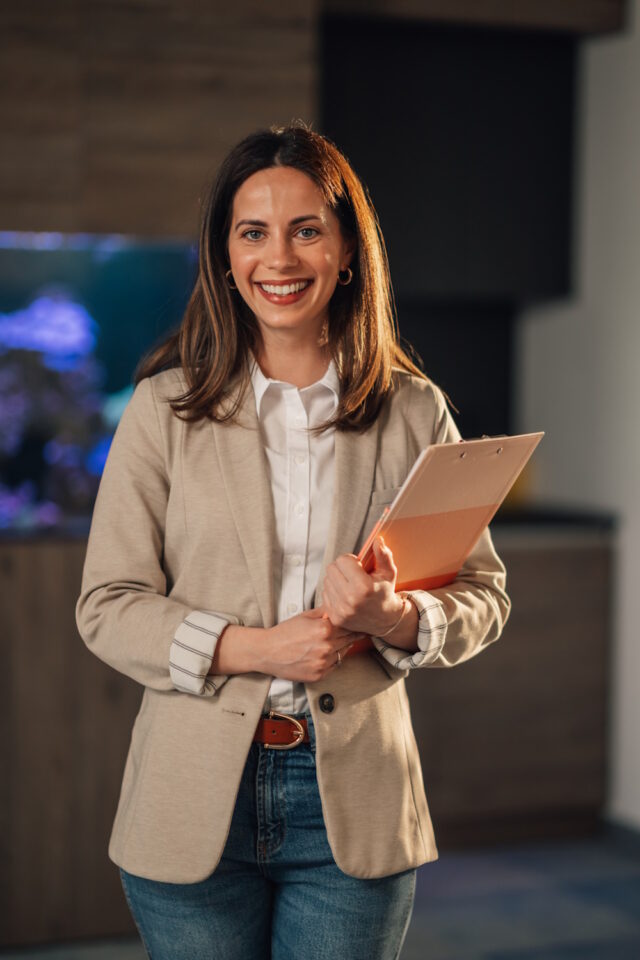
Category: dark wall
[464,138]
[466,349]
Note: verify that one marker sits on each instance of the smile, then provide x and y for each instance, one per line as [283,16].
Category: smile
[284,293]
[284,289]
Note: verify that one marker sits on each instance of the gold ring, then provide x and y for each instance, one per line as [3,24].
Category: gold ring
[339,660]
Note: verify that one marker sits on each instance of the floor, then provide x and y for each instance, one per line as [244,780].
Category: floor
[552,901]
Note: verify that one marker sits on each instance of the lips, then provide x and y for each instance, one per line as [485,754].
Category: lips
[294,288]
[284,288]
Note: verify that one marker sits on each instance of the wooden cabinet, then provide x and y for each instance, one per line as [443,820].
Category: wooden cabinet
[67,720]
[513,742]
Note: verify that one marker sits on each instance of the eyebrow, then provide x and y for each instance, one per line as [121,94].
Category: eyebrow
[261,223]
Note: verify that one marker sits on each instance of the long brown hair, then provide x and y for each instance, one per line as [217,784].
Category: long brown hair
[218,329]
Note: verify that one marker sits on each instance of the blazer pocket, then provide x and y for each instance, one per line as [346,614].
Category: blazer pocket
[384,496]
[378,500]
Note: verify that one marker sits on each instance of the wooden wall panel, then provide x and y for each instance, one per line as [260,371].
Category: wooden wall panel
[40,116]
[115,114]
[67,722]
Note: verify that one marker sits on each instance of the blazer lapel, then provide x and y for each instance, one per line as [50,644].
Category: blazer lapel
[355,462]
[245,470]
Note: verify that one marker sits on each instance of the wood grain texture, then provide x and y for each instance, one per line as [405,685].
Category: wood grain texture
[116,114]
[68,721]
[513,743]
[575,16]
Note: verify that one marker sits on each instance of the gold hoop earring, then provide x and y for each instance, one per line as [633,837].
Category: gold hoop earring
[231,286]
[344,283]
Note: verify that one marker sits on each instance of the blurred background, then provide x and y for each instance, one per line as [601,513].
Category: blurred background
[500,143]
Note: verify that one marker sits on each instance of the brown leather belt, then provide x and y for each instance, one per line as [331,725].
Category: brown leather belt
[280,731]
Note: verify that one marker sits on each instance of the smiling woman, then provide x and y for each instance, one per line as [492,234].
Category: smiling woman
[286,266]
[272,803]
[286,207]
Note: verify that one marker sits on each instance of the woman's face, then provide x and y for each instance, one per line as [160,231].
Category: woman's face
[285,249]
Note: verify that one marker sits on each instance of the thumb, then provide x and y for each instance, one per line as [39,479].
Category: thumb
[382,552]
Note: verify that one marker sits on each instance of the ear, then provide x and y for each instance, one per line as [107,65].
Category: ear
[350,246]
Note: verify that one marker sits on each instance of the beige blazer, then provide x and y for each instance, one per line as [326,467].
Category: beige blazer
[184,520]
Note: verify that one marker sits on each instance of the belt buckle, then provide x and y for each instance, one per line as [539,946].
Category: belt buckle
[299,733]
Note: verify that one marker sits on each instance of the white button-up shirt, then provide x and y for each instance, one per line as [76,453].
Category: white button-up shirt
[301,468]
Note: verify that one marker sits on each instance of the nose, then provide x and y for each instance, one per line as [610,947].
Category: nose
[280,253]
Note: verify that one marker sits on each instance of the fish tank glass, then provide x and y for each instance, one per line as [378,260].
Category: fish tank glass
[77,312]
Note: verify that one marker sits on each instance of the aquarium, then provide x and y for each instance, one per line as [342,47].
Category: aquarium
[76,314]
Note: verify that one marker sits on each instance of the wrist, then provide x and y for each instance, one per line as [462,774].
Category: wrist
[397,616]
[237,650]
[263,660]
[405,634]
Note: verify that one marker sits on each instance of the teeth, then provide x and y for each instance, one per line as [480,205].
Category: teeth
[283,291]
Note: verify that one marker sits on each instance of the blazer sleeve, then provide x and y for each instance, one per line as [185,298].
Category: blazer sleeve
[123,612]
[457,621]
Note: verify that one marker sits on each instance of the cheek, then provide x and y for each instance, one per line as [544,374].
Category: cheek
[330,268]
[242,261]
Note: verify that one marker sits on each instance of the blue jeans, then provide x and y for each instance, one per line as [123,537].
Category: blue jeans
[277,893]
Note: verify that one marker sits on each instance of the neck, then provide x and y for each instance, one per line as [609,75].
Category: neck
[297,364]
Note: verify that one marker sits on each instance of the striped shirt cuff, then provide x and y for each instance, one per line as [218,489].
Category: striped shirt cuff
[192,650]
[432,631]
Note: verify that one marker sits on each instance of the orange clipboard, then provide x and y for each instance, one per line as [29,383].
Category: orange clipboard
[448,499]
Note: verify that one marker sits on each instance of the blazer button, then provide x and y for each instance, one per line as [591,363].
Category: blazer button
[327,703]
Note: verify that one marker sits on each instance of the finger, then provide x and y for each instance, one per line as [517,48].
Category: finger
[336,575]
[331,597]
[385,569]
[337,643]
[315,612]
[350,568]
[382,551]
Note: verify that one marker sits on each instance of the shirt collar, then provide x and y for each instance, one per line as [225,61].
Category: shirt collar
[261,383]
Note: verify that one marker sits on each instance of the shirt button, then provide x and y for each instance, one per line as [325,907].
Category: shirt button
[292,607]
[299,421]
[296,559]
[299,509]
[327,703]
[300,458]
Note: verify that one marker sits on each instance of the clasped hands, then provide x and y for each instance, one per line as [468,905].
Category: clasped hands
[355,604]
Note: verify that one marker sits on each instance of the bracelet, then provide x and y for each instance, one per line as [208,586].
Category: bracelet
[407,596]
[391,629]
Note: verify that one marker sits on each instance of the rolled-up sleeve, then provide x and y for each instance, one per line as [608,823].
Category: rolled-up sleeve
[192,651]
[432,632]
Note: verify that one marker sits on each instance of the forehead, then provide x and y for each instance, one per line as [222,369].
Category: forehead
[276,190]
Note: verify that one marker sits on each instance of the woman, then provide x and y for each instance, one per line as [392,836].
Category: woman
[258,450]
